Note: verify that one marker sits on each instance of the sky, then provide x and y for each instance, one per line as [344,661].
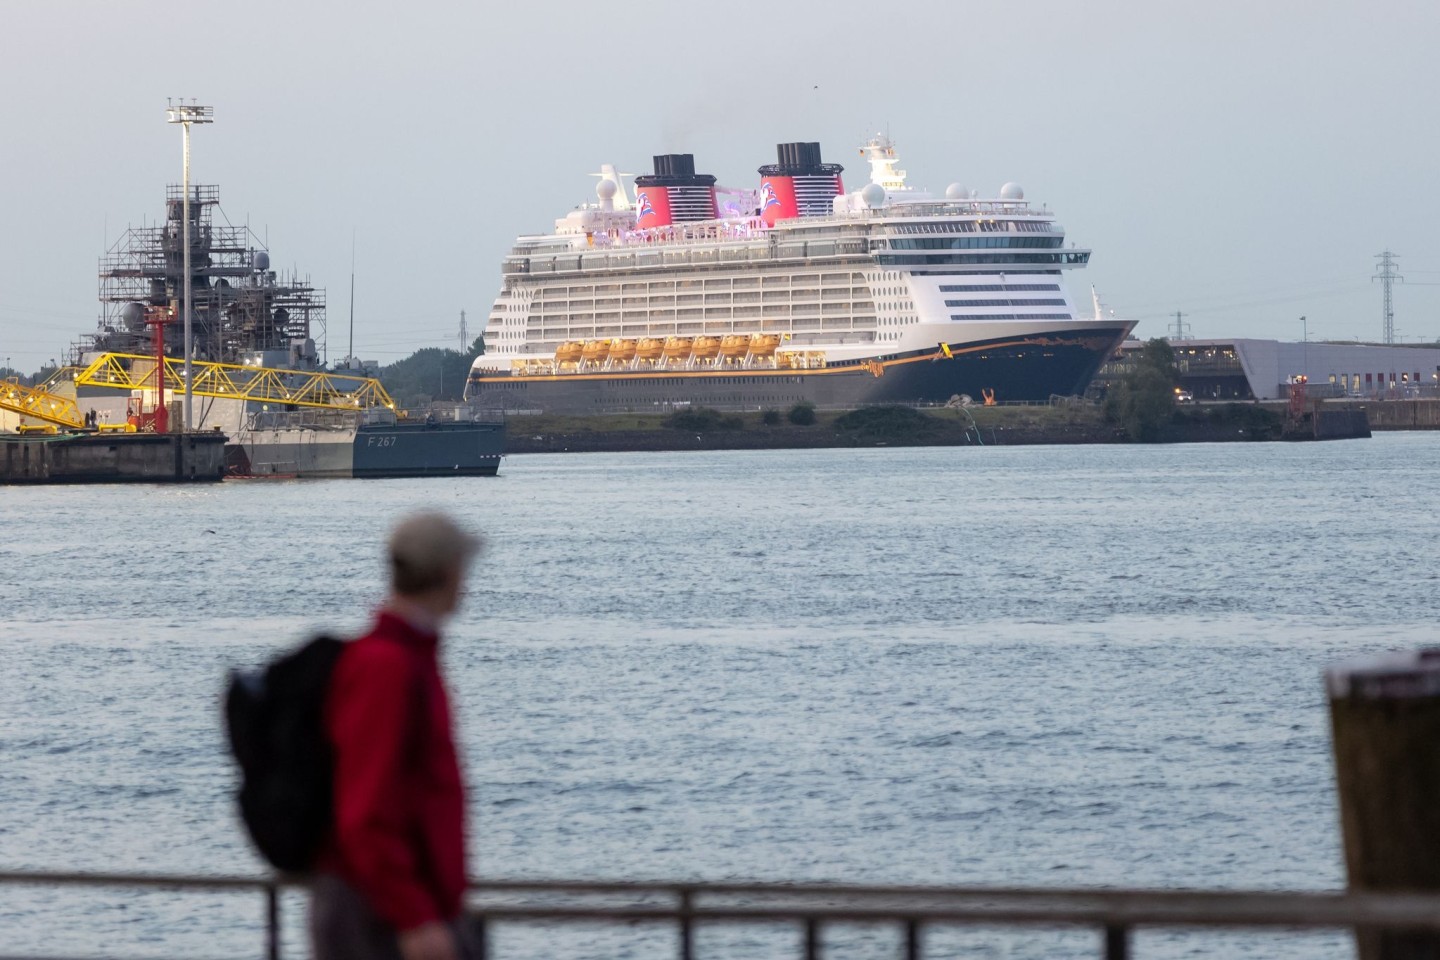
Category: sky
[1241,162]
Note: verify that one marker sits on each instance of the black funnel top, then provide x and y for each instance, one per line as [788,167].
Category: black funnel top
[675,170]
[799,159]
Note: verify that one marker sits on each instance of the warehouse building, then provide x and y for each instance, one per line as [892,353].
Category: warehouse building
[1245,369]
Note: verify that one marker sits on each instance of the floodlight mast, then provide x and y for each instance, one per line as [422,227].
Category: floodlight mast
[186,114]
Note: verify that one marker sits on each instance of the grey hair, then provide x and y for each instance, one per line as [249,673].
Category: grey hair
[426,549]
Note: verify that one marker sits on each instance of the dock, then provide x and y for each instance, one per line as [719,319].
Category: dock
[52,458]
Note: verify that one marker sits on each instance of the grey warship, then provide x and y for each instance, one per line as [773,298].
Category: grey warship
[252,322]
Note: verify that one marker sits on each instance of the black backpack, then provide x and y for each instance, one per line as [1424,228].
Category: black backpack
[275,719]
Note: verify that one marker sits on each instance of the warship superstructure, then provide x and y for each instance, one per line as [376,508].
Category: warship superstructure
[260,372]
[244,312]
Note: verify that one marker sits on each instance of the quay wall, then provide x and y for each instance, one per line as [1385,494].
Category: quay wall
[1414,414]
[573,438]
[112,458]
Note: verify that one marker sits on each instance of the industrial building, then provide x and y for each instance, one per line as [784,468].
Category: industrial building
[1245,369]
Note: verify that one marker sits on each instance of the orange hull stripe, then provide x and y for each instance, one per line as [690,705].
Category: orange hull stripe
[705,374]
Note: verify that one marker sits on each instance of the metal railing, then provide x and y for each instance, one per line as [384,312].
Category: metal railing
[911,910]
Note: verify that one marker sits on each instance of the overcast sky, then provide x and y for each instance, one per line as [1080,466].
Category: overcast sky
[1238,161]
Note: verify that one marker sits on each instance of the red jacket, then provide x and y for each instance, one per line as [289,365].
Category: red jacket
[399,830]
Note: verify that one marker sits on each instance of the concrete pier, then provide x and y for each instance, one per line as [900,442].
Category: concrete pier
[112,458]
[1416,414]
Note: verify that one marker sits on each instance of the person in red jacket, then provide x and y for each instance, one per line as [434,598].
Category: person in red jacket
[392,877]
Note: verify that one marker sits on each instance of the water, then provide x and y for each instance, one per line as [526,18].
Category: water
[1069,666]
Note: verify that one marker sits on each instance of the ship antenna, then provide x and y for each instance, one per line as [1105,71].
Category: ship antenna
[1095,297]
[350,355]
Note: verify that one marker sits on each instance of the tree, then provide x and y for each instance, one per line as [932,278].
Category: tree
[1144,401]
[429,374]
[702,420]
[885,423]
[802,414]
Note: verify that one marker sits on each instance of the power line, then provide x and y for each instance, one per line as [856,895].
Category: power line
[1387,277]
[1226,307]
[1248,292]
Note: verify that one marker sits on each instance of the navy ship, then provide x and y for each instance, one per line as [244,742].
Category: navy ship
[316,444]
[689,293]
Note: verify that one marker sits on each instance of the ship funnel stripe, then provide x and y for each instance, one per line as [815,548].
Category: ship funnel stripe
[813,195]
[675,193]
[800,185]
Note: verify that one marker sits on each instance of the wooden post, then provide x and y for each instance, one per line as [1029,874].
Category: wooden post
[1385,720]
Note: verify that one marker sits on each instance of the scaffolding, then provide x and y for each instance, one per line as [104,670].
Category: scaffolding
[241,306]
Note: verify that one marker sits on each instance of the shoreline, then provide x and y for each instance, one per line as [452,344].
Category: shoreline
[992,426]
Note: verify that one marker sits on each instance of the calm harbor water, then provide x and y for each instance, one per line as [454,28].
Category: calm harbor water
[1069,666]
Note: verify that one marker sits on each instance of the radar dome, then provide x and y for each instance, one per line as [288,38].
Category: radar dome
[873,195]
[260,261]
[133,316]
[606,189]
[956,192]
[1012,191]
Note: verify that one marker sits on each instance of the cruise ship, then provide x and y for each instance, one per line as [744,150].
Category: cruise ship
[690,294]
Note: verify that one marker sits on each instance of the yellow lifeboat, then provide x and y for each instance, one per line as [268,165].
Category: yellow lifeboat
[764,344]
[649,348]
[706,347]
[734,346]
[596,350]
[622,350]
[569,351]
[677,347]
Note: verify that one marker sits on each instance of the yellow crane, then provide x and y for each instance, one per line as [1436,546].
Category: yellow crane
[39,403]
[233,381]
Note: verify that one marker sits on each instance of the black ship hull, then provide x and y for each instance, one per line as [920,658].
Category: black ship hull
[1029,369]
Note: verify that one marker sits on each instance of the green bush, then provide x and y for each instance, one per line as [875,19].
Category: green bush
[1257,422]
[884,423]
[1144,402]
[770,418]
[702,419]
[802,414]
[430,373]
